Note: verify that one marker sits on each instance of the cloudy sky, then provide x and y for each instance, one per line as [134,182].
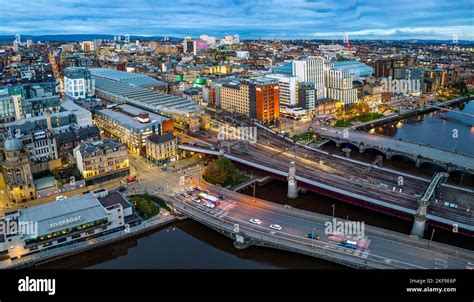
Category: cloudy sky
[286,19]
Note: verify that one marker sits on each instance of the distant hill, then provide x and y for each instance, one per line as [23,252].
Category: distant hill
[76,37]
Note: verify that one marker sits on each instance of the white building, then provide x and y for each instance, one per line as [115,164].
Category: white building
[78,83]
[209,39]
[64,222]
[339,86]
[288,89]
[311,70]
[242,54]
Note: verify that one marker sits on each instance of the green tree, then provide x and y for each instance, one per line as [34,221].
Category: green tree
[220,171]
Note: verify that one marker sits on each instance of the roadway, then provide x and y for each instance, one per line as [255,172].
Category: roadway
[394,249]
[274,152]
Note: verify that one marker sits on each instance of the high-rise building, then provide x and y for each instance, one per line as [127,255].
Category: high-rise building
[288,89]
[200,47]
[339,86]
[450,76]
[311,70]
[236,39]
[188,45]
[29,43]
[306,95]
[209,39]
[256,98]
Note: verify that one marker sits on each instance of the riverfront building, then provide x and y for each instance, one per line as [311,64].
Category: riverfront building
[60,223]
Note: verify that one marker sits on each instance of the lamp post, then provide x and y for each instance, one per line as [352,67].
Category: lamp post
[312,238]
[333,210]
[432,234]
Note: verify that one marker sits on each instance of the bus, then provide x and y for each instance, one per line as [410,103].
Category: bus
[208,197]
[349,244]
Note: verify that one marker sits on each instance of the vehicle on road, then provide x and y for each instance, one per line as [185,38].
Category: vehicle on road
[190,189]
[60,197]
[163,169]
[121,189]
[255,221]
[220,196]
[312,236]
[275,227]
[209,204]
[198,188]
[324,129]
[207,191]
[197,200]
[349,244]
[131,179]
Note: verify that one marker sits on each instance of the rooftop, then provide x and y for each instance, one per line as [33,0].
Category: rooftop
[133,79]
[127,115]
[53,216]
[143,97]
[158,139]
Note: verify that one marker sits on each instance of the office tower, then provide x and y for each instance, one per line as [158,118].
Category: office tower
[288,89]
[311,70]
[339,86]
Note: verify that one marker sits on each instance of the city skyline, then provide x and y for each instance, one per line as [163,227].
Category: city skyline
[385,20]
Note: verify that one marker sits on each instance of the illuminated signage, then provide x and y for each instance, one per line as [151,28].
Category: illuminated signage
[64,222]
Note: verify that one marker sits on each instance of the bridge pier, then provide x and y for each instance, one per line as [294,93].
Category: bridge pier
[292,184]
[418,161]
[361,148]
[241,242]
[419,226]
[347,152]
[388,155]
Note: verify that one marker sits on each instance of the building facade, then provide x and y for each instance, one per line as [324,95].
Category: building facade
[311,70]
[16,171]
[101,160]
[77,83]
[339,86]
[162,149]
[288,89]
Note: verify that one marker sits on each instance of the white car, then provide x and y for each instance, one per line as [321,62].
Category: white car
[275,227]
[60,197]
[210,205]
[197,200]
[255,221]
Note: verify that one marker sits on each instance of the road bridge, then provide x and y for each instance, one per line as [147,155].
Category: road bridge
[376,248]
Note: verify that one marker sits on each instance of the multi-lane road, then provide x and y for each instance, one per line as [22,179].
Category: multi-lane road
[381,246]
[356,177]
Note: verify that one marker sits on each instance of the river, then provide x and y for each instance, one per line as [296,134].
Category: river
[190,245]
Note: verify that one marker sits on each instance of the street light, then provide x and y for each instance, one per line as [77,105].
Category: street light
[432,234]
[312,238]
[333,210]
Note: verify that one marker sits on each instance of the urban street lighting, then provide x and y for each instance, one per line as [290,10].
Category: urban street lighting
[333,210]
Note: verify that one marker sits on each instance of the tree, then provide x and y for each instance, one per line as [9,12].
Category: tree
[220,171]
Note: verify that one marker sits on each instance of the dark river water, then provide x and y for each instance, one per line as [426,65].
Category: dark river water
[189,245]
